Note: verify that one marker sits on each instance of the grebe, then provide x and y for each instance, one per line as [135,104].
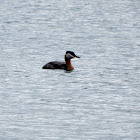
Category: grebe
[62,65]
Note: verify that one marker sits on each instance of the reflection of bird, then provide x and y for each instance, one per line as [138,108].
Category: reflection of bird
[62,65]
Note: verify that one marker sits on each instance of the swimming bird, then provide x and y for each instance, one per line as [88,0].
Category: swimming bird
[62,65]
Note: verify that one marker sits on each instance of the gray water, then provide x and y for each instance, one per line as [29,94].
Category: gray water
[99,99]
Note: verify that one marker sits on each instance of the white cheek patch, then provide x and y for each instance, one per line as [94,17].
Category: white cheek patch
[69,56]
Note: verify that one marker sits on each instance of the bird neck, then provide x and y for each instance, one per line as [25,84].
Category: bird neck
[69,65]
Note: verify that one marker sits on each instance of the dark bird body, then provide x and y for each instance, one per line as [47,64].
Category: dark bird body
[55,65]
[62,65]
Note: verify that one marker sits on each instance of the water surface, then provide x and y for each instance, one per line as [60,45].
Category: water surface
[100,99]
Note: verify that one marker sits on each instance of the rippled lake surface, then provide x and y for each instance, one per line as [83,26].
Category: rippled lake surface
[100,99]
